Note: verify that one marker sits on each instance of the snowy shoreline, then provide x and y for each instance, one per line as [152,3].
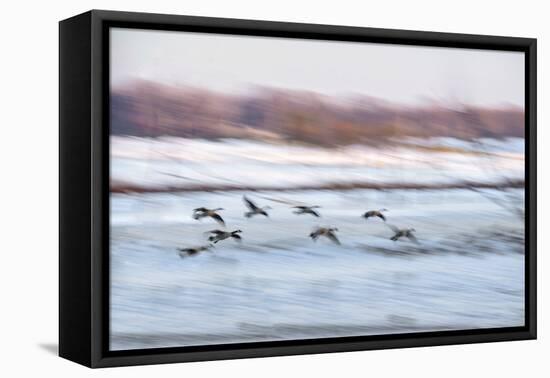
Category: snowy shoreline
[142,165]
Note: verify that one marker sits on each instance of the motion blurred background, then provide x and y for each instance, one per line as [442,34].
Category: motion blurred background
[434,135]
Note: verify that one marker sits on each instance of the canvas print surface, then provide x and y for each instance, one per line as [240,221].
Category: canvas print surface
[267,189]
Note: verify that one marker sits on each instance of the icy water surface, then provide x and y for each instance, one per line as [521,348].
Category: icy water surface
[467,272]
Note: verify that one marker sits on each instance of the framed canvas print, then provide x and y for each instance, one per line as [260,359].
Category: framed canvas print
[234,188]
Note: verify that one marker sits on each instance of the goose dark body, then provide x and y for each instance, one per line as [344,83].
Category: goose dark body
[202,212]
[403,232]
[194,250]
[328,232]
[375,213]
[307,210]
[219,235]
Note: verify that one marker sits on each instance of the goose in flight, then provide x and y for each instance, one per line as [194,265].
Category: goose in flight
[306,210]
[254,209]
[194,250]
[218,235]
[202,212]
[375,213]
[403,232]
[325,231]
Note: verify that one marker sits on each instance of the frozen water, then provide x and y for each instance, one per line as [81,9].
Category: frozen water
[467,272]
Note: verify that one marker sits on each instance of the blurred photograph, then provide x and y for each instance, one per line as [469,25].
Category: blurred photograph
[268,189]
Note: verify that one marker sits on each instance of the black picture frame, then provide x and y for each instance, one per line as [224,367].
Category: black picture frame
[84,194]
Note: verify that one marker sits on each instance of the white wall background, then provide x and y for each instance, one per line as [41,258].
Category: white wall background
[29,177]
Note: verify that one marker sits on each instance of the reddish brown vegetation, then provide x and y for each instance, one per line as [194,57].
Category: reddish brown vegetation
[147,109]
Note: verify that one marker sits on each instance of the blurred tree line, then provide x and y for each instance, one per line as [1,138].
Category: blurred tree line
[147,109]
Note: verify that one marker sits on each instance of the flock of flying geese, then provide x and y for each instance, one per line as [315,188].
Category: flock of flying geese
[217,235]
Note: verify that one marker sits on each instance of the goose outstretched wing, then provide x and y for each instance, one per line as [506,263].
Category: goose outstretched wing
[333,237]
[412,238]
[392,227]
[314,213]
[218,219]
[215,232]
[251,205]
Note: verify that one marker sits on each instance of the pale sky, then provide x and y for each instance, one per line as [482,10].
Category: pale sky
[408,75]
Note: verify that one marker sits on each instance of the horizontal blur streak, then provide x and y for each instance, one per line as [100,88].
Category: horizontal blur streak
[147,109]
[166,164]
[467,271]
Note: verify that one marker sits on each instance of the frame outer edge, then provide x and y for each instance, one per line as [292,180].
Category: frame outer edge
[97,186]
[75,336]
[97,264]
[532,168]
